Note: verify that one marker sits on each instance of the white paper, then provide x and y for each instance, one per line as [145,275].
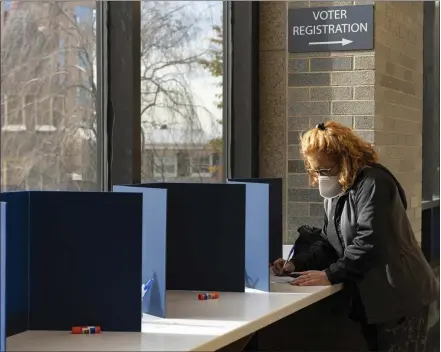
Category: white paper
[280,279]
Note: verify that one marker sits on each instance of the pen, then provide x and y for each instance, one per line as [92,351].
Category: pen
[290,255]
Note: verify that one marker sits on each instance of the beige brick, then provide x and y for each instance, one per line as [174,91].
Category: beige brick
[352,78]
[330,3]
[308,79]
[331,64]
[399,85]
[298,65]
[398,98]
[368,136]
[331,93]
[294,4]
[364,93]
[294,152]
[353,107]
[309,108]
[298,123]
[294,137]
[364,122]
[364,62]
[297,94]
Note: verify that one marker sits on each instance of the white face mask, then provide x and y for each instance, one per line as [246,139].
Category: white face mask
[329,186]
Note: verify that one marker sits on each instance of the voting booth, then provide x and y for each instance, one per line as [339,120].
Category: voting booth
[264,232]
[73,259]
[197,245]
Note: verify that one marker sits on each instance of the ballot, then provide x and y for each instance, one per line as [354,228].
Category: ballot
[280,279]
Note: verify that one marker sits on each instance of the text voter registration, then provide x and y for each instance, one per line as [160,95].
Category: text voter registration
[331,29]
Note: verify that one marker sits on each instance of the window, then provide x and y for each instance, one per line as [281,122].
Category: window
[181,88]
[12,175]
[165,167]
[13,114]
[44,115]
[43,66]
[49,111]
[201,166]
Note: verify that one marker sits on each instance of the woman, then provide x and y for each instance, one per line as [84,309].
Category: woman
[368,243]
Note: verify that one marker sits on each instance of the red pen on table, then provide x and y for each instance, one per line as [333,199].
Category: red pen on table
[85,330]
[209,295]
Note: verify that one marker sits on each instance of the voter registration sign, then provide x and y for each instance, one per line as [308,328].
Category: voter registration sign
[343,28]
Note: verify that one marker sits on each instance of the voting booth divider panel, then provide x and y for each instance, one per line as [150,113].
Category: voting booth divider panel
[2,276]
[256,236]
[263,234]
[73,258]
[154,203]
[204,241]
[275,213]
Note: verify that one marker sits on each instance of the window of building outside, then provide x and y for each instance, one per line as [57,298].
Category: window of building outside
[48,58]
[201,166]
[181,90]
[13,118]
[165,166]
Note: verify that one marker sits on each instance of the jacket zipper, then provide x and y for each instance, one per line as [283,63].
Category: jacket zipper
[337,228]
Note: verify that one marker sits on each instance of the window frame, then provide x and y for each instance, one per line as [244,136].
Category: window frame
[165,174]
[51,126]
[10,127]
[201,174]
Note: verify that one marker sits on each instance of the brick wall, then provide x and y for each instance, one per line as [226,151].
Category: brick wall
[323,86]
[398,90]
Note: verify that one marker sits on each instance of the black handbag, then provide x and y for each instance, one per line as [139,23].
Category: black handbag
[307,237]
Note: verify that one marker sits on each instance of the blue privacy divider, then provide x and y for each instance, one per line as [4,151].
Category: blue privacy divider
[275,213]
[205,236]
[17,261]
[2,276]
[154,243]
[83,256]
[257,236]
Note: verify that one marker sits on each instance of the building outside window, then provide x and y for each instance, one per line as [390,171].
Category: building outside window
[165,167]
[201,166]
[41,71]
[181,89]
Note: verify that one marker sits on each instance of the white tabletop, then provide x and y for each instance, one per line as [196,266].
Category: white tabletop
[191,325]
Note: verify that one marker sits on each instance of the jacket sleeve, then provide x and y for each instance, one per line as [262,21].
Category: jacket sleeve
[318,257]
[372,200]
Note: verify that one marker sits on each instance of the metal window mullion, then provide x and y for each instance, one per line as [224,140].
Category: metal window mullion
[227,88]
[102,96]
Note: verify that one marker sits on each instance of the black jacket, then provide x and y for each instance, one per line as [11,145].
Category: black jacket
[375,250]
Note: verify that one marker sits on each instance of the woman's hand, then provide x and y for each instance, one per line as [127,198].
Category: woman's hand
[280,267]
[311,278]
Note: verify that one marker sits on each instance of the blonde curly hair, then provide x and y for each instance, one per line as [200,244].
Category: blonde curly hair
[341,144]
